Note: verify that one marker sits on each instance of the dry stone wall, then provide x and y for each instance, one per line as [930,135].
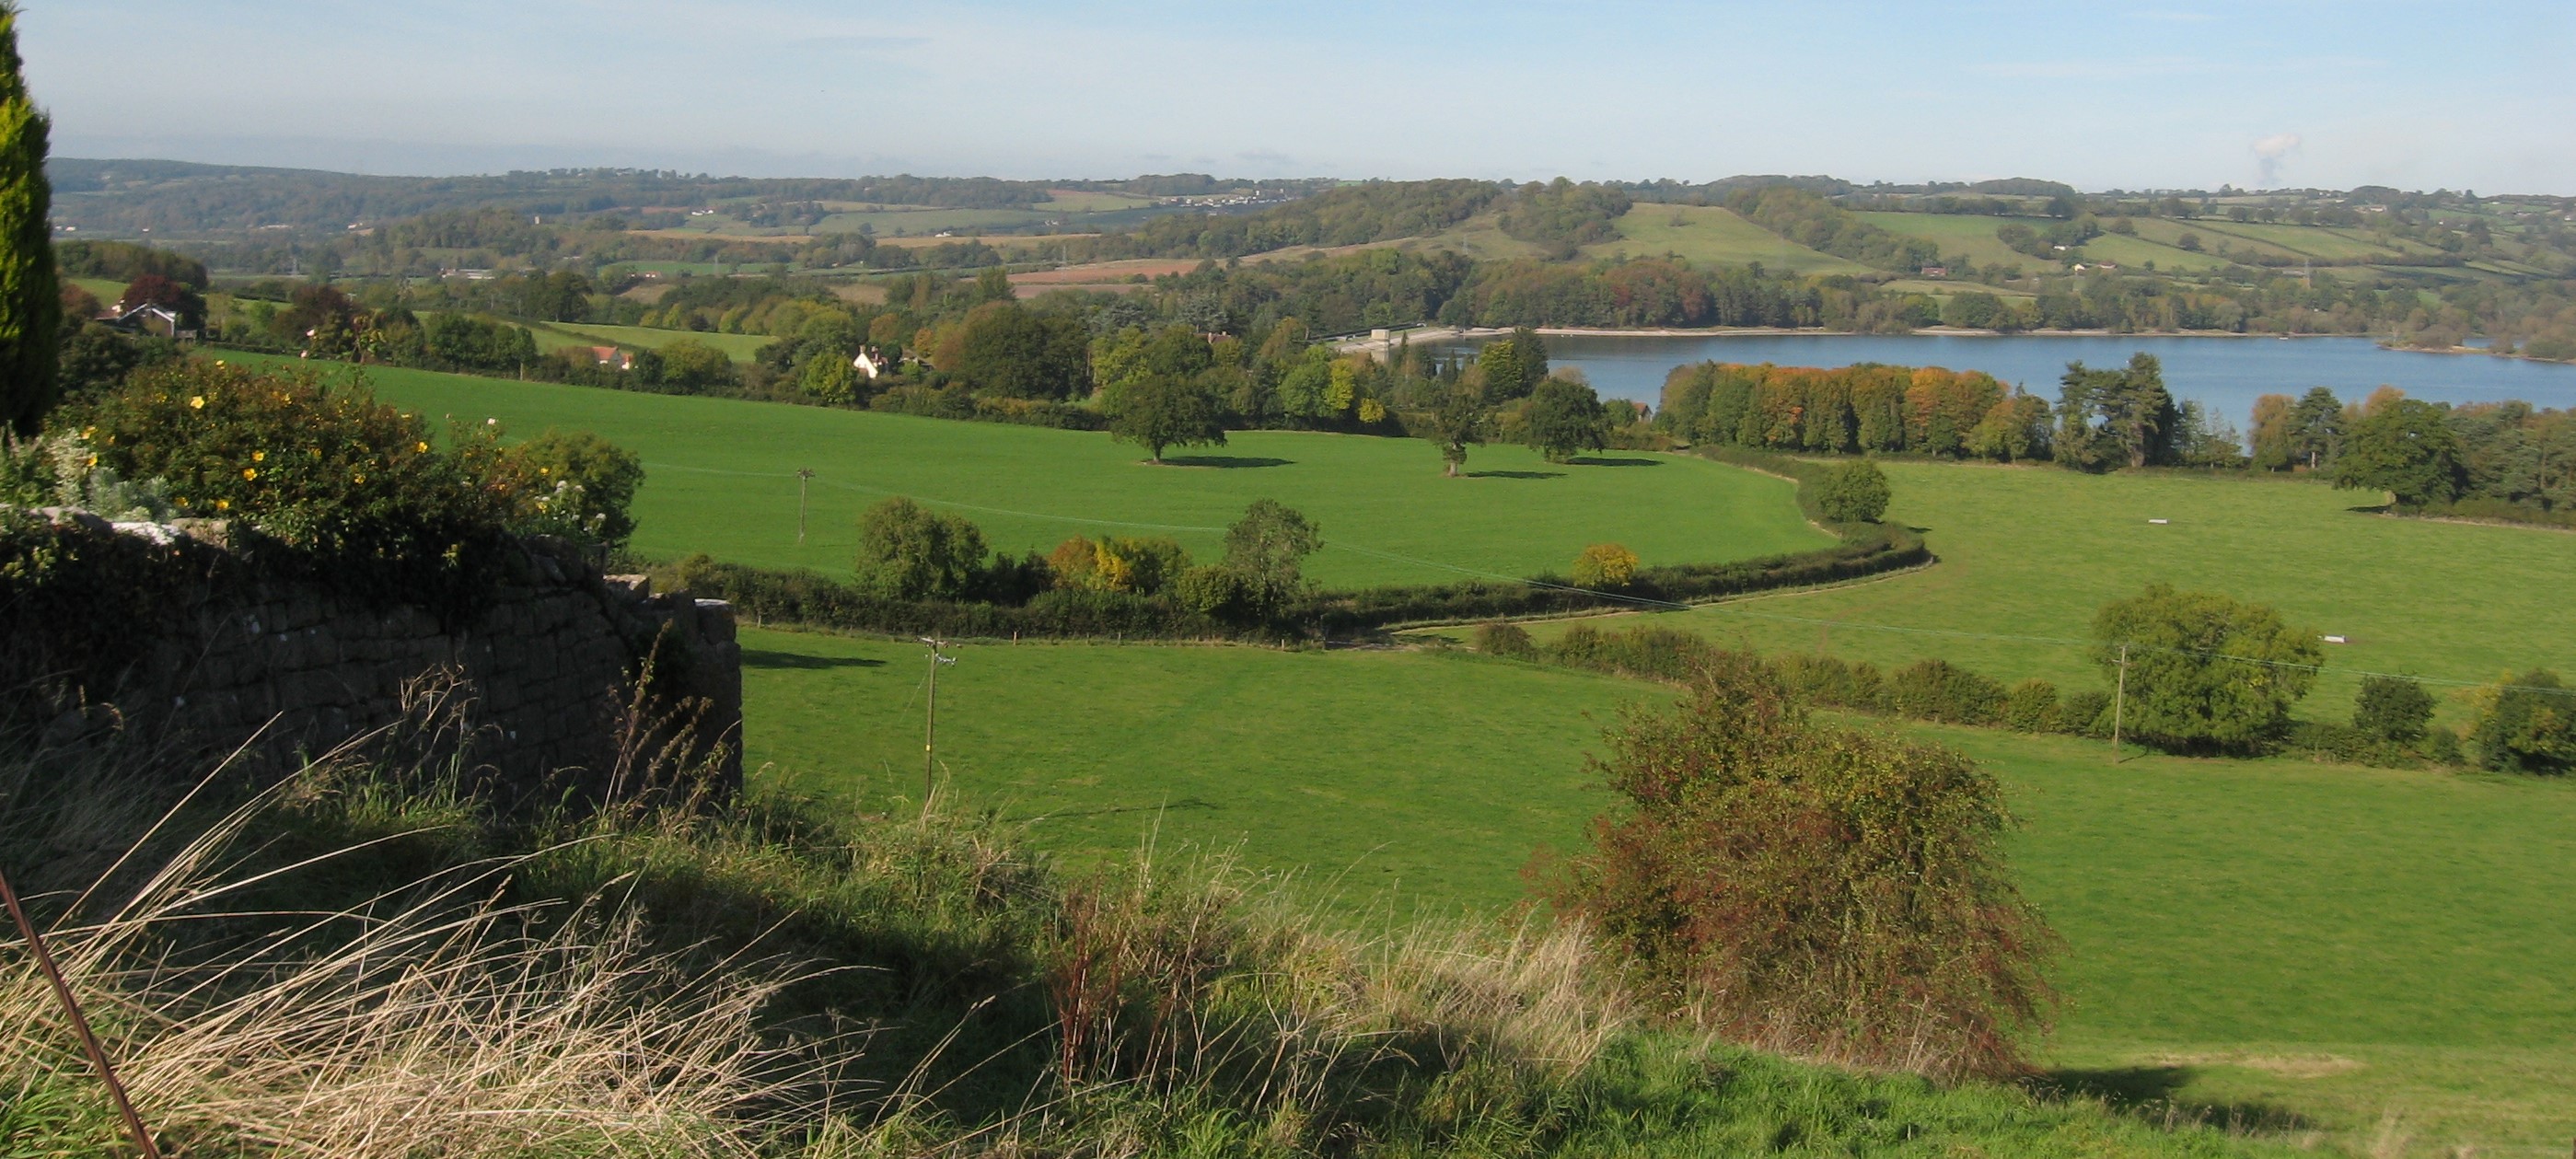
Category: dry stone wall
[547,669]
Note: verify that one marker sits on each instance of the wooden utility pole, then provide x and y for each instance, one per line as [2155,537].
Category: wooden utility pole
[802,474]
[930,721]
[80,1023]
[2120,701]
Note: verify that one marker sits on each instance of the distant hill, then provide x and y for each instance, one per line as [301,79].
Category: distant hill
[124,196]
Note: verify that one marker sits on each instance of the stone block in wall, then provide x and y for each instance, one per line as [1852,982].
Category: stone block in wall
[549,662]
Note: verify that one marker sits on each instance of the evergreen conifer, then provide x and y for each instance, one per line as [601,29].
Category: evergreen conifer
[30,292]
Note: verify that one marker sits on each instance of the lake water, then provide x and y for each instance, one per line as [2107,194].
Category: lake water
[2224,374]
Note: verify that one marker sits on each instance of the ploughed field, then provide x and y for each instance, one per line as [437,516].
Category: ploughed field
[721,478]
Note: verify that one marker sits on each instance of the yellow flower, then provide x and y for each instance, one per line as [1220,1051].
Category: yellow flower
[357,478]
[259,456]
[196,402]
[421,447]
[540,470]
[250,472]
[223,504]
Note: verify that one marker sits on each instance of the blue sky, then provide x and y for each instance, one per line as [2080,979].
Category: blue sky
[2161,94]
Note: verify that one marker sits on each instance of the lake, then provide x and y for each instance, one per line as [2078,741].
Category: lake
[2224,374]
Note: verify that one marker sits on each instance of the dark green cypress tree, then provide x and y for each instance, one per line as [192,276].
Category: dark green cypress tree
[31,303]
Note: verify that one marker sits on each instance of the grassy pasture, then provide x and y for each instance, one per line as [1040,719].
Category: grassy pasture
[2136,252]
[1091,201]
[2313,241]
[1708,235]
[1955,233]
[1480,237]
[925,220]
[1947,289]
[739,347]
[2323,941]
[2032,551]
[2166,231]
[106,290]
[721,480]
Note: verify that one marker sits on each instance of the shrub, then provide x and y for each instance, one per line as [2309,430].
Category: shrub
[1868,687]
[1941,691]
[1605,565]
[1853,492]
[349,487]
[2031,706]
[1502,638]
[1147,566]
[1649,652]
[578,486]
[1267,548]
[2346,744]
[1817,679]
[2392,708]
[2442,746]
[1824,890]
[2204,671]
[2526,725]
[2086,713]
[1214,591]
[909,552]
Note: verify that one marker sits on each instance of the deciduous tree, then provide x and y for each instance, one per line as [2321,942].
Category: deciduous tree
[1457,424]
[1165,410]
[1563,416]
[1853,492]
[2204,672]
[909,552]
[1267,548]
[1831,891]
[2408,449]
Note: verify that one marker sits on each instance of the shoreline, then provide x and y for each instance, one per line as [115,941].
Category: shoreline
[1470,333]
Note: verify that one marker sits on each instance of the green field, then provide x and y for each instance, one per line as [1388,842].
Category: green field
[1708,235]
[2031,552]
[1958,233]
[106,290]
[2309,240]
[721,479]
[739,347]
[2329,942]
[2136,252]
[920,220]
[1090,201]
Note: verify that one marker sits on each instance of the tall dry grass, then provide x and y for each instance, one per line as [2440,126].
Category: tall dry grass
[430,1019]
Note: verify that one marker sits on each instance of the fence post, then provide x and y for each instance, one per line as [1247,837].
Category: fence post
[80,1022]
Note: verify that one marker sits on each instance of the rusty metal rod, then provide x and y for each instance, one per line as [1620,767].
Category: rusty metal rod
[80,1022]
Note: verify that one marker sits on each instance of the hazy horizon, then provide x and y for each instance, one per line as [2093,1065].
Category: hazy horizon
[2182,95]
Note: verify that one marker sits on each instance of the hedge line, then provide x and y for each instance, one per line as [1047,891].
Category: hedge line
[801,597]
[804,597]
[1878,549]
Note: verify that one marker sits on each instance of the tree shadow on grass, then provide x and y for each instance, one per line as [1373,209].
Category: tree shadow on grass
[1225,462]
[1597,461]
[2152,1093]
[1515,474]
[763,658]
